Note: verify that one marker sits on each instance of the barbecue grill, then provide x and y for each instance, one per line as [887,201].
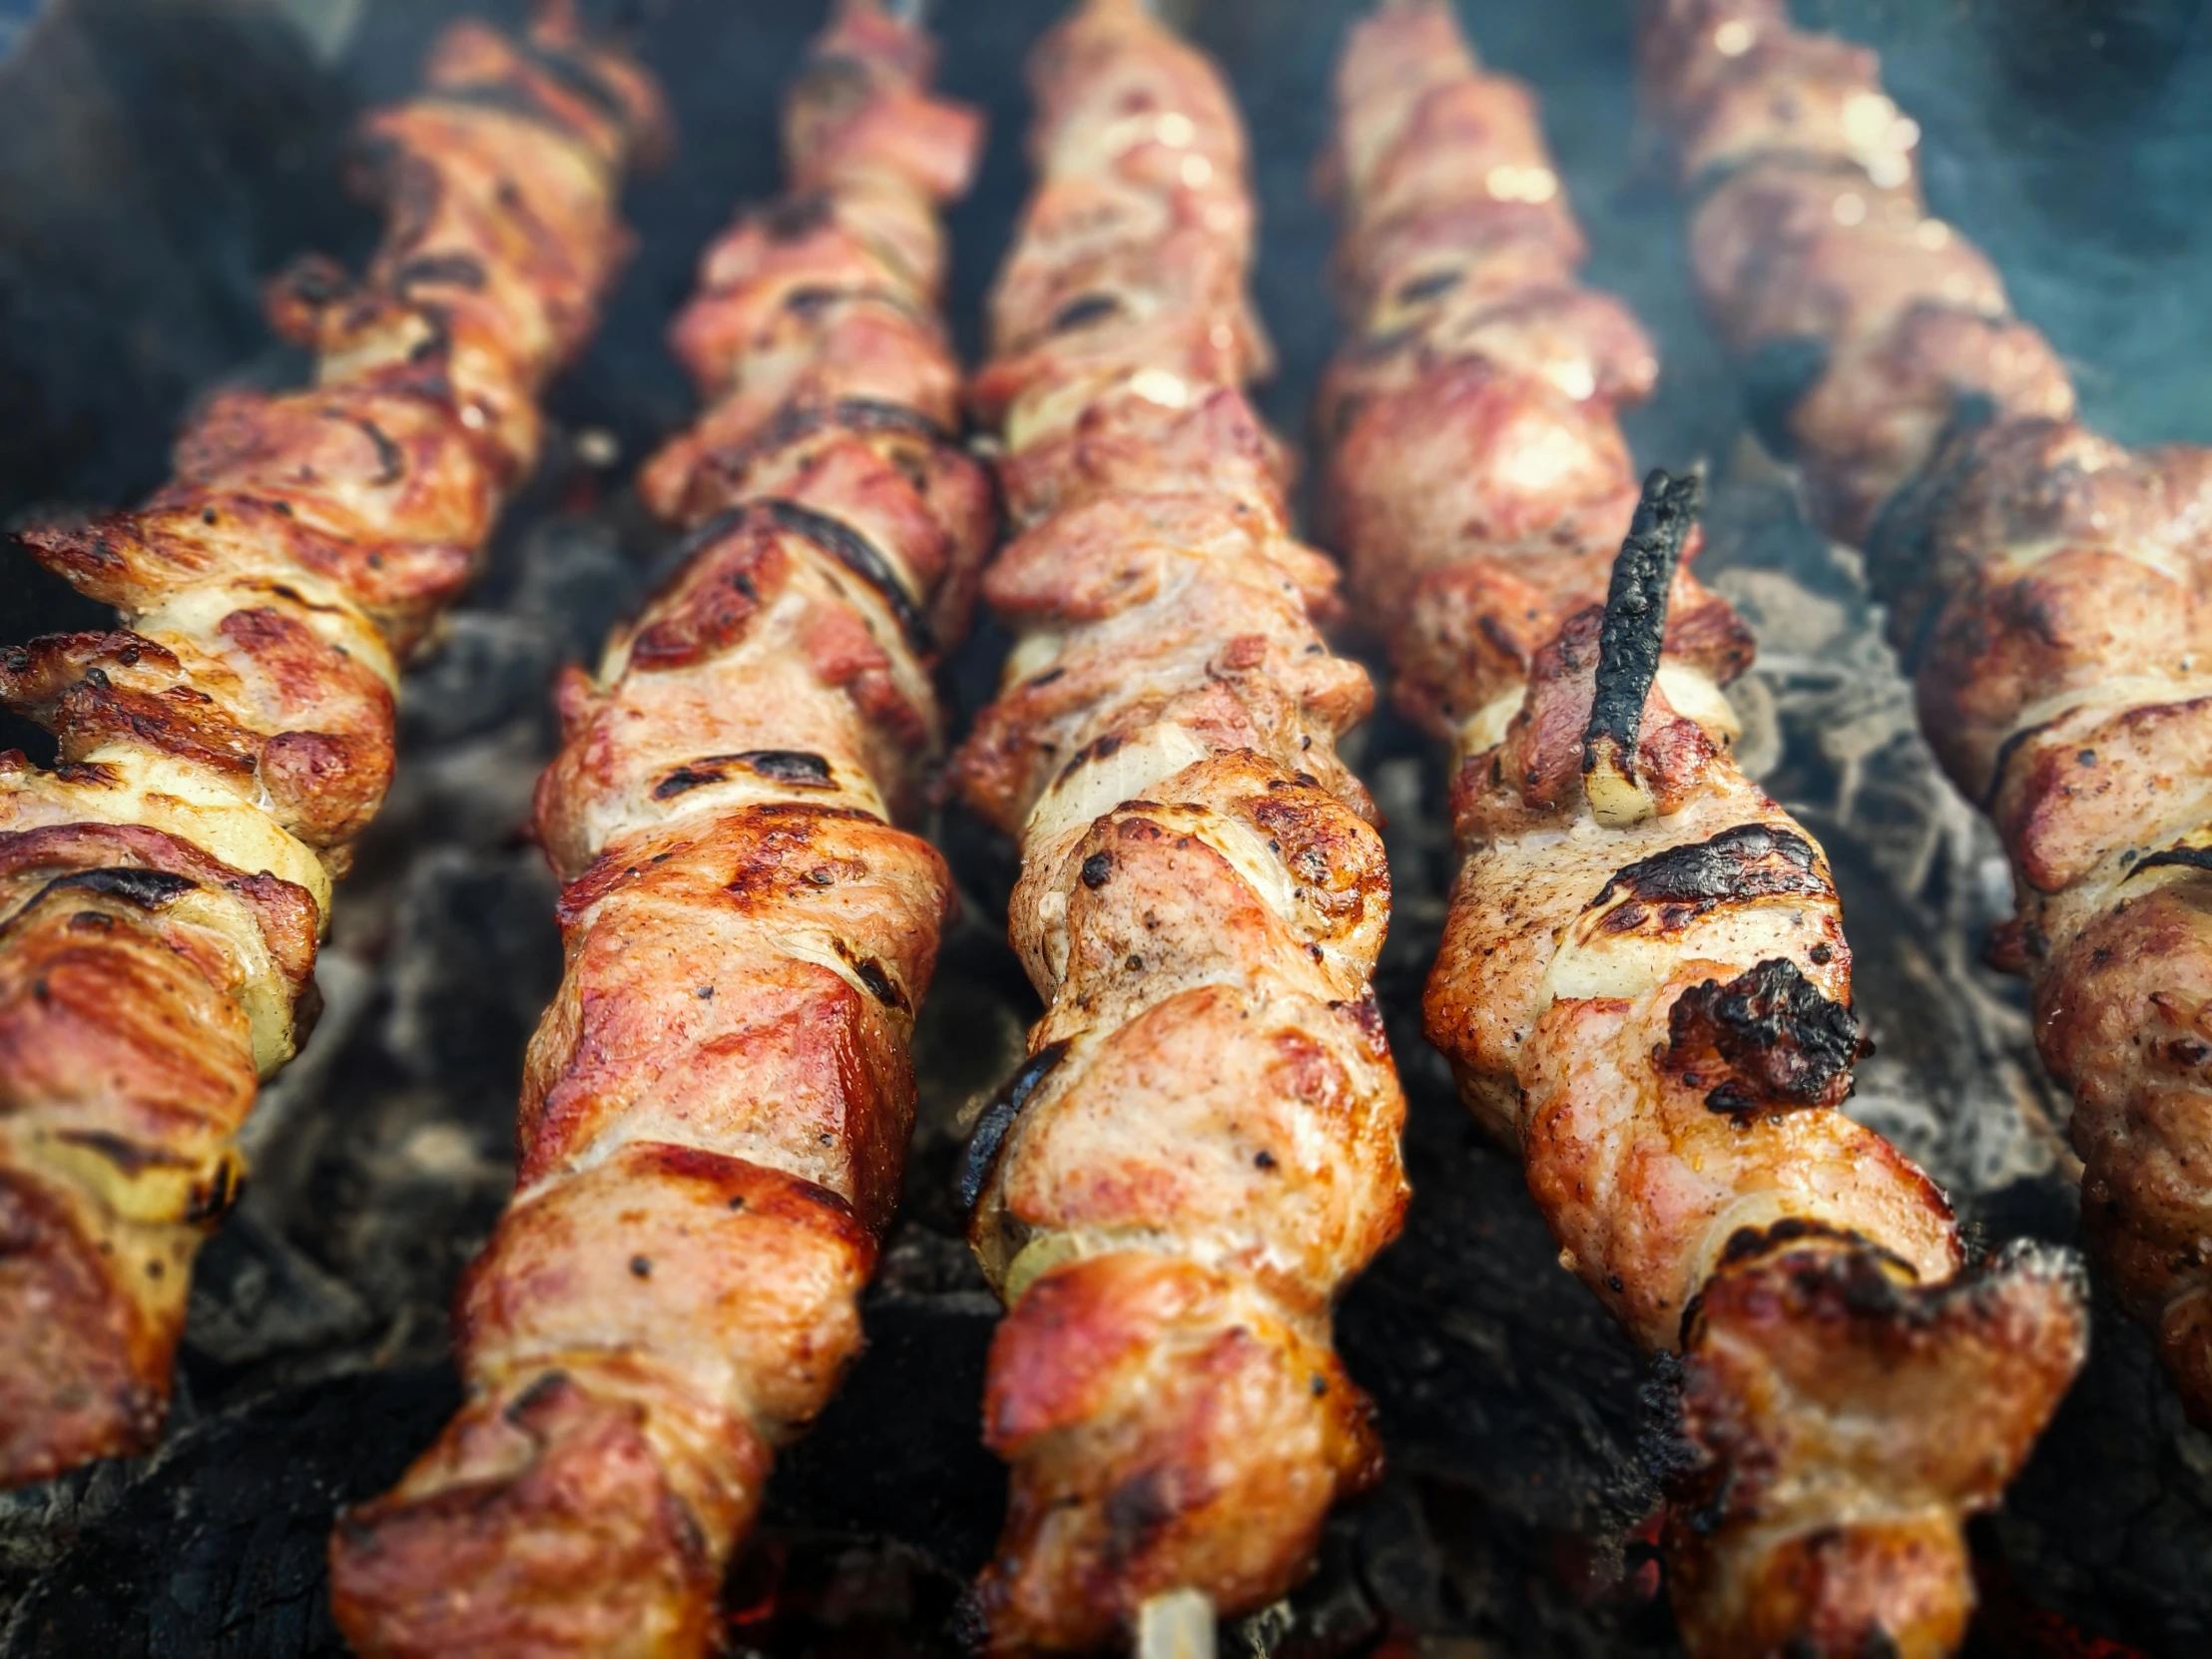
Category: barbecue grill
[160,159]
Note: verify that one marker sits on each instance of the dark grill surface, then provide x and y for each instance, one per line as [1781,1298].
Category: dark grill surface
[157,156]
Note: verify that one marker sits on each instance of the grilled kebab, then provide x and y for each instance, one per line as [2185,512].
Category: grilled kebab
[1643,983]
[164,884]
[1203,1144]
[716,1106]
[2049,590]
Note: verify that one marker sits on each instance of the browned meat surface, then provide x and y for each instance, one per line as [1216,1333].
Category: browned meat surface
[222,748]
[1644,984]
[1203,1146]
[2052,592]
[716,1106]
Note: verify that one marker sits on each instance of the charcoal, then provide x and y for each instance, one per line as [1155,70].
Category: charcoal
[474,959]
[897,1453]
[216,1550]
[486,672]
[255,1296]
[2114,1511]
[575,581]
[1398,1560]
[1465,1330]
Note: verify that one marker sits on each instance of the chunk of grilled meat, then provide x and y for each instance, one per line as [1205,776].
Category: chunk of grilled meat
[2063,588]
[1203,1146]
[717,1104]
[221,750]
[1477,479]
[1643,983]
[2052,592]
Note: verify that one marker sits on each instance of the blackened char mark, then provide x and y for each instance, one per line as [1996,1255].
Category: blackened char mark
[981,1157]
[813,300]
[794,767]
[1082,311]
[1415,291]
[877,414]
[861,556]
[1749,1244]
[1375,347]
[787,766]
[460,270]
[391,460]
[880,983]
[794,422]
[1137,1510]
[2002,765]
[132,1158]
[870,414]
[579,79]
[508,99]
[796,216]
[1782,1044]
[1635,625]
[432,355]
[2186,858]
[1751,862]
[147,889]
[315,281]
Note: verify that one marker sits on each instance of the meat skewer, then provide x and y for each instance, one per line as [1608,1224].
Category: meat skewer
[2049,591]
[716,1106]
[1203,1145]
[1643,983]
[163,887]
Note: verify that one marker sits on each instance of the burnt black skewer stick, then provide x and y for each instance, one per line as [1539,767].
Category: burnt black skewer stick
[1629,644]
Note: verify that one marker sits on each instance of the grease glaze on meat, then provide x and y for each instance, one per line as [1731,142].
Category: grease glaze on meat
[716,1106]
[235,733]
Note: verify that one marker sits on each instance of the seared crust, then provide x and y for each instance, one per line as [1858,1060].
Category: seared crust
[1199,1440]
[220,752]
[1204,1145]
[2051,590]
[1643,983]
[142,984]
[1796,1354]
[716,1106]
